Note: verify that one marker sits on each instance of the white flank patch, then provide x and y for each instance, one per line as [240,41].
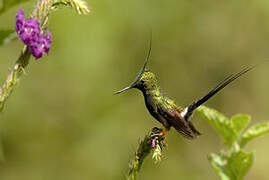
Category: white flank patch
[184,112]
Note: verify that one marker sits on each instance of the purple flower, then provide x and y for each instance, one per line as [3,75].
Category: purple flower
[47,42]
[19,20]
[40,44]
[30,33]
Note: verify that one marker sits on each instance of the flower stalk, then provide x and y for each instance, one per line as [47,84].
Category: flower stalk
[151,143]
[14,76]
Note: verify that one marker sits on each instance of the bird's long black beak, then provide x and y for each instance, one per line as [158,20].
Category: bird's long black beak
[142,70]
[124,89]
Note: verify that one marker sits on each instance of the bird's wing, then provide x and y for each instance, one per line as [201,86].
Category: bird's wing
[174,119]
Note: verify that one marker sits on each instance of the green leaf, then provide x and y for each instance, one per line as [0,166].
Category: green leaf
[7,36]
[220,123]
[7,4]
[238,164]
[254,132]
[233,166]
[239,122]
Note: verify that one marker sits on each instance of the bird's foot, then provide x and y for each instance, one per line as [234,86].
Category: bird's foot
[157,136]
[161,132]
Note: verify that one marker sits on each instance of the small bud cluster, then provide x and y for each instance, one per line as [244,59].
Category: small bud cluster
[157,144]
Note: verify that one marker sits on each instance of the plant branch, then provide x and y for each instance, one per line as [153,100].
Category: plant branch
[151,142]
[14,76]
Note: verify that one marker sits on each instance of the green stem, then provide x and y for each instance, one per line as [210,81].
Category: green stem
[14,76]
[143,150]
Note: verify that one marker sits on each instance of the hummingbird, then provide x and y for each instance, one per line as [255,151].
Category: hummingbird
[164,109]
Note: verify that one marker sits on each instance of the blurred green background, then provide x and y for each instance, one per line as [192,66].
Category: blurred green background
[63,121]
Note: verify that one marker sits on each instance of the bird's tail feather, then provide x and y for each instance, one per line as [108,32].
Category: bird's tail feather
[215,90]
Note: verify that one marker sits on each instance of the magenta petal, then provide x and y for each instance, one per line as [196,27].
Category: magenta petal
[35,51]
[153,142]
[47,42]
[20,15]
[19,20]
[29,31]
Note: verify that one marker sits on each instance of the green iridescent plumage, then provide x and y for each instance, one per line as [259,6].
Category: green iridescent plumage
[163,108]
